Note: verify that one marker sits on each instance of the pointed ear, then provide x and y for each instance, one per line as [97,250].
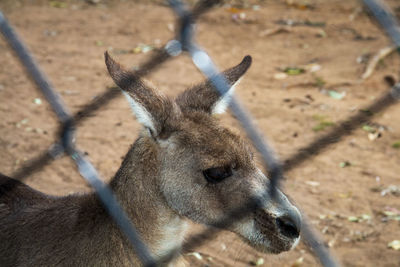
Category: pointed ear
[206,98]
[151,109]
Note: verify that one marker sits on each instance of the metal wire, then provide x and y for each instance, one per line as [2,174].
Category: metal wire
[155,60]
[33,69]
[344,128]
[85,168]
[185,42]
[68,122]
[385,17]
[204,63]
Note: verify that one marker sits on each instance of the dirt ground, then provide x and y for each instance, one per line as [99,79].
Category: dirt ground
[350,191]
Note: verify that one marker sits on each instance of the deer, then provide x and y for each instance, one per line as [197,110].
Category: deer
[183,167]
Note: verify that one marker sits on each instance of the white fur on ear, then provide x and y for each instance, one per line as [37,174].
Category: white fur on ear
[222,104]
[142,115]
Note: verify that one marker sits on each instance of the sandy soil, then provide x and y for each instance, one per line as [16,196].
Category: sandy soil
[69,40]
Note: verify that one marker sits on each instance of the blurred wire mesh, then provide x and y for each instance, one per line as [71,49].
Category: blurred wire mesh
[184,42]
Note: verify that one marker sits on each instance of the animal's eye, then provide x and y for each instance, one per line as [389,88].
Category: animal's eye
[217,174]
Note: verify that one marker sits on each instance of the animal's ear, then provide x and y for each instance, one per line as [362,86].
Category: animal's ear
[155,111]
[206,98]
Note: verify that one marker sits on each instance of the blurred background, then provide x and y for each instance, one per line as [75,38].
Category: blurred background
[315,63]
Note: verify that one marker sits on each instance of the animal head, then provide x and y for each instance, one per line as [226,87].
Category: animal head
[206,171]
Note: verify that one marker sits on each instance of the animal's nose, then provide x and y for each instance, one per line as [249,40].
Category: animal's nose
[289,225]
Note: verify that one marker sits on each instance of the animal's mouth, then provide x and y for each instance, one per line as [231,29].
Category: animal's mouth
[271,240]
[273,237]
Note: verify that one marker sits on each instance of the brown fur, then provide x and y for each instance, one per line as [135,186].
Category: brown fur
[160,184]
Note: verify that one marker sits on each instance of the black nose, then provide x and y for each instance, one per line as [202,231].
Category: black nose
[289,226]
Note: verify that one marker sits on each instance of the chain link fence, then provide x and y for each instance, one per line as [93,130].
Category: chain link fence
[184,43]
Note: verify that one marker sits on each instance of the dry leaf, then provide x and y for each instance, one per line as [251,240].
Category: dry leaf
[280,76]
[196,255]
[298,262]
[312,183]
[395,244]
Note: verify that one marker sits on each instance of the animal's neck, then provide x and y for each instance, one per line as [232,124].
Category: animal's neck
[137,189]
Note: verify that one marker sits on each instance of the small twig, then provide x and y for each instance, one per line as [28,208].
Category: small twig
[384,52]
[276,30]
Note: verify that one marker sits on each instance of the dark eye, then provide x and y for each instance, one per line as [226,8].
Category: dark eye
[217,174]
